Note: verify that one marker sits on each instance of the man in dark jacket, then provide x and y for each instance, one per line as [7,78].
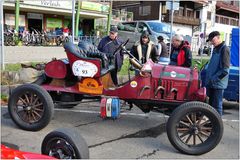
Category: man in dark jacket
[145,49]
[180,53]
[217,71]
[108,45]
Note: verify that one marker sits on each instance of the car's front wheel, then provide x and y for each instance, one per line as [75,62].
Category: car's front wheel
[195,128]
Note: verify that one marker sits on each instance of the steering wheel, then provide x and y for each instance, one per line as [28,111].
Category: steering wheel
[121,46]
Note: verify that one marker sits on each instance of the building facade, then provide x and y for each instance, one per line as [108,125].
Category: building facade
[194,19]
[51,14]
[226,16]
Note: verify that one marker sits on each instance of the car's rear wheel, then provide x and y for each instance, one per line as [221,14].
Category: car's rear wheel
[30,107]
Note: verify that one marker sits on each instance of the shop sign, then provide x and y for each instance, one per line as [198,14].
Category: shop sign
[34,16]
[54,23]
[10,19]
[51,3]
[94,6]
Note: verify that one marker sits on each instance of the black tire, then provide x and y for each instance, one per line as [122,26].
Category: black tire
[69,141]
[30,107]
[180,128]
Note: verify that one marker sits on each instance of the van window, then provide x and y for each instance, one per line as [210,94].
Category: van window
[142,26]
[159,27]
[129,26]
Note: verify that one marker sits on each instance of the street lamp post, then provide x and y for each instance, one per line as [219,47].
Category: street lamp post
[73,19]
[172,5]
[16,15]
[172,11]
[109,17]
[2,37]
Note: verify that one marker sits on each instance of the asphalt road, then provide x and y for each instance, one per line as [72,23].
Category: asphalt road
[133,135]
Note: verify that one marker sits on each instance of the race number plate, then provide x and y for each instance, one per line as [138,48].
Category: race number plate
[84,69]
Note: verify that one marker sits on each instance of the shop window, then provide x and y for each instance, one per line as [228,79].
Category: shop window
[67,22]
[54,23]
[209,14]
[10,19]
[144,10]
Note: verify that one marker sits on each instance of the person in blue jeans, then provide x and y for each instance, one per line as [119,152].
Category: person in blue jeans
[217,71]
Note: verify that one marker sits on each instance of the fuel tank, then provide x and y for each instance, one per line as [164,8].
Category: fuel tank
[57,68]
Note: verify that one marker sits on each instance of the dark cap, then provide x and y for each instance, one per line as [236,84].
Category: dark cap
[160,38]
[212,35]
[145,34]
[113,29]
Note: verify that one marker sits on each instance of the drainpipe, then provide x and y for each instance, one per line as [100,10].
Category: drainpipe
[160,11]
[16,15]
[109,17]
[77,18]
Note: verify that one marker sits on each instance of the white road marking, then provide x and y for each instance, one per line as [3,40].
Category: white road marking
[128,114]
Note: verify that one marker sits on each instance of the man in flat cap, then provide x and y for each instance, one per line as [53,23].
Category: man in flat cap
[217,71]
[108,45]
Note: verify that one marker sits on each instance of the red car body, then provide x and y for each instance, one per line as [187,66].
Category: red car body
[178,84]
[8,153]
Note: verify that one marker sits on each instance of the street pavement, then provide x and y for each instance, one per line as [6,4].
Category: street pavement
[17,54]
[133,135]
[24,54]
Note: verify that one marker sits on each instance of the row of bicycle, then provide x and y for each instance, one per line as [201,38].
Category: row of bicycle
[34,38]
[43,38]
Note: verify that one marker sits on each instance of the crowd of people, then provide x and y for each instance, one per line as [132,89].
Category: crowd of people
[180,55]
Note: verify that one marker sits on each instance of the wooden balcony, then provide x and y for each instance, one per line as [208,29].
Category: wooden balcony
[182,20]
[227,6]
